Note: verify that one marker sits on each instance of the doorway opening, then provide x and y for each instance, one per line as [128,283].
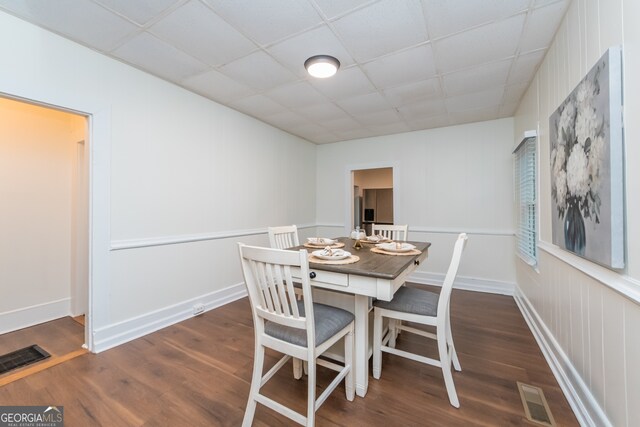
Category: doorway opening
[44,227]
[373,198]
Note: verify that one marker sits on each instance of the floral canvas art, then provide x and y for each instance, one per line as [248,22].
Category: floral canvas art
[585,133]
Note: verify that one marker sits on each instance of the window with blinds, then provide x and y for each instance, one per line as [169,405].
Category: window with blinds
[525,188]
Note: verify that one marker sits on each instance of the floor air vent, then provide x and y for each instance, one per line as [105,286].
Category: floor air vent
[535,405]
[23,357]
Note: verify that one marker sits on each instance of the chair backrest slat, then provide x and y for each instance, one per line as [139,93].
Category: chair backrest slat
[290,292]
[283,237]
[269,279]
[273,288]
[393,232]
[447,285]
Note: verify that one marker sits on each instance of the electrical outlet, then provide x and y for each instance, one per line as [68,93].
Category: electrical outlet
[198,309]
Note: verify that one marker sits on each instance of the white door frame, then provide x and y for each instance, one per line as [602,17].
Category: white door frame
[98,156]
[397,193]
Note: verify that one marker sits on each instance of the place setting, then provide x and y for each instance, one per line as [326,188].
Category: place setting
[375,239]
[396,248]
[329,255]
[322,242]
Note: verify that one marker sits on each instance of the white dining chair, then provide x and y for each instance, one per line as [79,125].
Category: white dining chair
[427,308]
[393,232]
[299,329]
[283,237]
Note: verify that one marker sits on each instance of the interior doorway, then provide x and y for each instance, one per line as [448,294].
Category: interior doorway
[44,223]
[373,198]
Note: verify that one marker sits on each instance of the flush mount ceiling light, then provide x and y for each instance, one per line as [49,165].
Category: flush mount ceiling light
[322,66]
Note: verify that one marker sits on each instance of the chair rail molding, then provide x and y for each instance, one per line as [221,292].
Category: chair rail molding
[621,283]
[458,230]
[117,245]
[465,283]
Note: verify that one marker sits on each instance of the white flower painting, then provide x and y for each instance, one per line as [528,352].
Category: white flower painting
[585,133]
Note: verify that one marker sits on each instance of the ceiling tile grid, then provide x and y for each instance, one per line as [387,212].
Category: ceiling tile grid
[405,64]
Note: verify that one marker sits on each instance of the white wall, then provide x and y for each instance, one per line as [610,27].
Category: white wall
[37,160]
[446,181]
[171,167]
[586,316]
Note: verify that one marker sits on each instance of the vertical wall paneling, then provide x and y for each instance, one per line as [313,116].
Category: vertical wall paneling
[590,321]
[615,396]
[632,367]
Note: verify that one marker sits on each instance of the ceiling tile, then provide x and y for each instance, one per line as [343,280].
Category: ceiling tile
[139,11]
[476,115]
[445,17]
[513,93]
[401,68]
[270,73]
[321,112]
[295,51]
[537,3]
[356,133]
[362,104]
[295,95]
[258,106]
[427,108]
[507,110]
[525,66]
[267,21]
[429,122]
[348,82]
[286,119]
[341,124]
[383,117]
[324,138]
[307,130]
[406,94]
[391,128]
[382,28]
[159,58]
[484,44]
[249,54]
[83,21]
[472,101]
[541,25]
[333,8]
[477,78]
[201,33]
[217,86]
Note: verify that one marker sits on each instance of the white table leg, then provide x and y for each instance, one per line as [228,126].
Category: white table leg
[362,344]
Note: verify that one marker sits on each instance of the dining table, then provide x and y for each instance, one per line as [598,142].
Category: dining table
[374,275]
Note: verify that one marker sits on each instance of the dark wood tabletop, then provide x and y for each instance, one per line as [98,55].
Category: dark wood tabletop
[371,264]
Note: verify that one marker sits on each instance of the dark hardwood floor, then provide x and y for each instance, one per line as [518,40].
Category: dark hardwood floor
[57,337]
[197,373]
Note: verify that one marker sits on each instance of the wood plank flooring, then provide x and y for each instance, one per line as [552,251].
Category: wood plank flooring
[61,338]
[197,373]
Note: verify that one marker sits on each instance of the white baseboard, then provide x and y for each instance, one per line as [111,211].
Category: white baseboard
[466,283]
[584,405]
[130,329]
[34,315]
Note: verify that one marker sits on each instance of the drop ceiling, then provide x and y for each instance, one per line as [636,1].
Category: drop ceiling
[405,64]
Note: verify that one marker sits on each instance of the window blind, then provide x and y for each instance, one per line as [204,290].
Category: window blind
[525,187]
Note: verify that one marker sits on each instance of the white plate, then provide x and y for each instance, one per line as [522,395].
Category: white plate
[337,254]
[320,241]
[377,239]
[396,247]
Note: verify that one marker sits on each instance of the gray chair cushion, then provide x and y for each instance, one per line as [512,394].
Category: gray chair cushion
[412,300]
[328,322]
